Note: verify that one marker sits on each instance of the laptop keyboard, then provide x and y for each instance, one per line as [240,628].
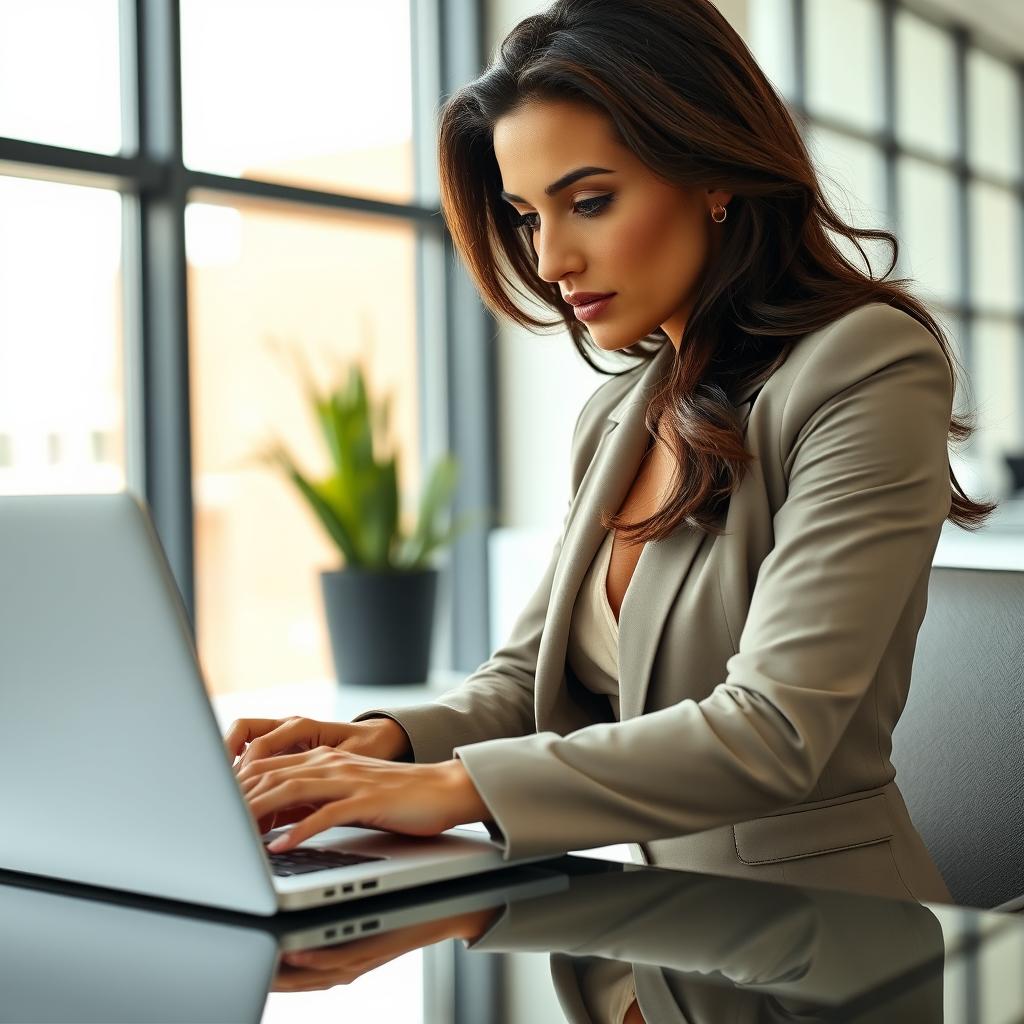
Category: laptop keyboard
[300,862]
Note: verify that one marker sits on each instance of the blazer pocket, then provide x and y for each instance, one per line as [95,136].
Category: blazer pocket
[807,833]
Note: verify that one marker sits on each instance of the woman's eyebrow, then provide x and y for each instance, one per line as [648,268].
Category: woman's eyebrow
[563,182]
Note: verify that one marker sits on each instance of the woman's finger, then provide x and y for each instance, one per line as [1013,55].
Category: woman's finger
[298,790]
[343,811]
[243,730]
[261,766]
[263,783]
[297,733]
[278,819]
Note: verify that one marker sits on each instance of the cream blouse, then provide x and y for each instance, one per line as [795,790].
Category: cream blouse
[593,653]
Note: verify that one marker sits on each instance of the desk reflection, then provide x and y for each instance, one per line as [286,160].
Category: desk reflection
[698,947]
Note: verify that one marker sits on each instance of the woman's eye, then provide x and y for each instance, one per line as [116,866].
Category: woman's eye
[583,208]
[592,207]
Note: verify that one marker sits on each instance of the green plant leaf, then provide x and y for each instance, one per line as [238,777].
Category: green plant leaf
[358,502]
[436,496]
[320,500]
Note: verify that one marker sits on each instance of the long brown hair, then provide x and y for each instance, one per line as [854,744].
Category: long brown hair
[685,94]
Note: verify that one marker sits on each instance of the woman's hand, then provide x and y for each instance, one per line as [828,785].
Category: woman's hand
[375,737]
[325,787]
[316,969]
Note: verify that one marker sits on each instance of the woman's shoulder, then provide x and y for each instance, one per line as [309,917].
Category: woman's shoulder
[848,350]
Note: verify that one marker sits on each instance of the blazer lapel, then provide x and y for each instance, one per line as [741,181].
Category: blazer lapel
[604,487]
[659,573]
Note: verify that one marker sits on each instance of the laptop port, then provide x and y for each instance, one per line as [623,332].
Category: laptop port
[369,926]
[330,892]
[348,888]
[369,885]
[330,933]
[348,929]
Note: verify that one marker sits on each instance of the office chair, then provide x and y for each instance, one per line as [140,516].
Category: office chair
[959,746]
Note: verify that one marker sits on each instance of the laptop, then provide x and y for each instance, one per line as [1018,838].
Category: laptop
[112,957]
[113,771]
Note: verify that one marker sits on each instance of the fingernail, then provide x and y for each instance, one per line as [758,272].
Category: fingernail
[280,843]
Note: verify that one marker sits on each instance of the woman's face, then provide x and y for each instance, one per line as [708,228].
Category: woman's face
[623,230]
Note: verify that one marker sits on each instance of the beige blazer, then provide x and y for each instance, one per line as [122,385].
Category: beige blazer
[761,672]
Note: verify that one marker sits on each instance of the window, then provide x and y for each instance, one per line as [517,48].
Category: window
[266,284]
[61,339]
[307,93]
[174,194]
[925,86]
[888,143]
[60,80]
[850,27]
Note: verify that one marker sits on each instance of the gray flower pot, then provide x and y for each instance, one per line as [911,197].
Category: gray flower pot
[380,624]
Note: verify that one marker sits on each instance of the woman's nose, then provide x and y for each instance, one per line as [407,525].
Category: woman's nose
[556,256]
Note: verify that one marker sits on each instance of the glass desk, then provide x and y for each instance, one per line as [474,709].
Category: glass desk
[511,946]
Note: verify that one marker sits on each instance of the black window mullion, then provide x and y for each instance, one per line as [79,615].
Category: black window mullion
[164,299]
[1019,309]
[890,147]
[277,192]
[798,23]
[963,213]
[472,424]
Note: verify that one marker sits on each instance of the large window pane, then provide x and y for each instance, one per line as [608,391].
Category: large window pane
[843,35]
[60,73]
[61,366]
[994,116]
[852,174]
[996,356]
[770,38]
[305,93]
[929,242]
[925,93]
[995,247]
[337,289]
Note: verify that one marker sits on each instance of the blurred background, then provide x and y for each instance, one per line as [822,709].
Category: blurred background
[185,182]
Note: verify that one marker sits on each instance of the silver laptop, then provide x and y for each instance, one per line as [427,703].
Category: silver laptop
[113,770]
[132,959]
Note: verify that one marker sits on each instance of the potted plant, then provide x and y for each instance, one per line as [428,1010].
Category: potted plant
[379,606]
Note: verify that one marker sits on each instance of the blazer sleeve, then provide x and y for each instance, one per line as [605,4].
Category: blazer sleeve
[864,443]
[497,699]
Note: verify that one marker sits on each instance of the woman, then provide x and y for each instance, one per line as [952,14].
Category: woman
[755,504]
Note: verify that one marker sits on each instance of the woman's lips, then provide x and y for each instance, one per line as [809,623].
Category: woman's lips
[592,310]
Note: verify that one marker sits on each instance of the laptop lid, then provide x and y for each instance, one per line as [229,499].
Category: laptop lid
[112,766]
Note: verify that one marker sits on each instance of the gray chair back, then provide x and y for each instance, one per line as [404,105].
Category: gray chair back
[959,746]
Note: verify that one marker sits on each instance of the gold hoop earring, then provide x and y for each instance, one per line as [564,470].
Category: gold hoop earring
[715,209]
